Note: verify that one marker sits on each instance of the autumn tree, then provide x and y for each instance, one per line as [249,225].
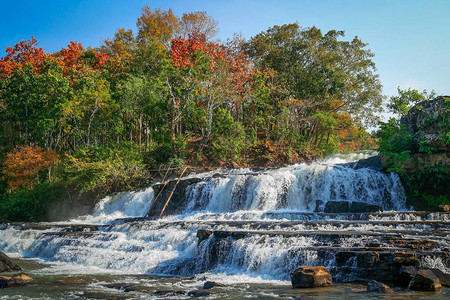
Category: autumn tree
[23,166]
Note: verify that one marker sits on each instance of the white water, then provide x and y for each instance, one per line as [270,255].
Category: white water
[279,201]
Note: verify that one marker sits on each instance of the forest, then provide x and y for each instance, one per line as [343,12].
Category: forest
[172,95]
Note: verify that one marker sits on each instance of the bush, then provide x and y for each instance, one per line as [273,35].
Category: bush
[29,205]
[106,170]
[227,137]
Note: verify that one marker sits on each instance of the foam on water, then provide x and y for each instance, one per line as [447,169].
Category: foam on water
[277,200]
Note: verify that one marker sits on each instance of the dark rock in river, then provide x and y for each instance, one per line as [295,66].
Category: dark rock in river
[373,163]
[407,274]
[168,293]
[16,280]
[379,288]
[200,293]
[336,207]
[443,278]
[210,284]
[7,265]
[425,280]
[350,206]
[308,277]
[356,207]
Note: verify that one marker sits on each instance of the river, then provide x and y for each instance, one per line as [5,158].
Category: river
[246,229]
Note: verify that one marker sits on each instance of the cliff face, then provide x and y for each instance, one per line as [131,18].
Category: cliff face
[425,174]
[429,123]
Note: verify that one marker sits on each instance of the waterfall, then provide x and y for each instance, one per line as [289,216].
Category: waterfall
[243,222]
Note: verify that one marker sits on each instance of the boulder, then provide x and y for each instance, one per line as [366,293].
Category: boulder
[350,206]
[443,278]
[7,265]
[16,280]
[336,207]
[379,288]
[210,284]
[444,208]
[357,207]
[309,277]
[373,163]
[425,280]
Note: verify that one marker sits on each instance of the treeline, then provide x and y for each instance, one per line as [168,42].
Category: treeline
[171,94]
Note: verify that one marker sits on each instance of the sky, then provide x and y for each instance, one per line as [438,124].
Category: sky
[410,38]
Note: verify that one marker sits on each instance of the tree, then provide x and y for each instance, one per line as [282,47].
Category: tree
[317,68]
[23,165]
[195,24]
[406,99]
[157,25]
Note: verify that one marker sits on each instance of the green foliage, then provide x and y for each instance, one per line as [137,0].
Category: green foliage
[105,170]
[29,204]
[393,137]
[227,137]
[427,188]
[406,99]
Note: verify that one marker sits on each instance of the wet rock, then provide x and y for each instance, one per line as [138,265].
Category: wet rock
[308,277]
[319,206]
[407,274]
[356,207]
[203,234]
[406,258]
[200,293]
[168,293]
[7,265]
[210,284]
[444,208]
[16,280]
[425,280]
[3,282]
[373,163]
[379,288]
[443,278]
[336,207]
[120,286]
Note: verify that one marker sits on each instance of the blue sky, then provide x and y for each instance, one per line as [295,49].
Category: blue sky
[410,39]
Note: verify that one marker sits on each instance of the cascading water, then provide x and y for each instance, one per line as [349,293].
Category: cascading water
[241,226]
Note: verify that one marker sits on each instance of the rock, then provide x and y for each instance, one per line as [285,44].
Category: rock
[352,207]
[336,207]
[445,208]
[120,286]
[443,278]
[425,280]
[168,293]
[3,282]
[308,277]
[16,280]
[319,206]
[356,207]
[379,288]
[7,265]
[200,293]
[373,163]
[210,284]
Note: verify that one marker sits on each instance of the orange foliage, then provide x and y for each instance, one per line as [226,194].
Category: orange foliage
[22,53]
[157,25]
[22,166]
